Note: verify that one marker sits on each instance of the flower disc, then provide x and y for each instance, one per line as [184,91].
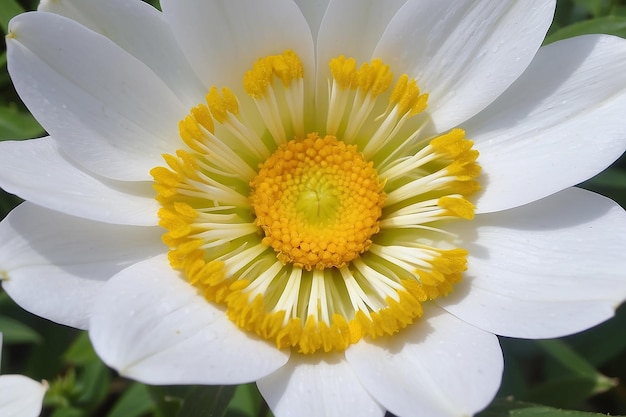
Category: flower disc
[318,202]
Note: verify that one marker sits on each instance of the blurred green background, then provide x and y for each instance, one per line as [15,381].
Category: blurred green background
[543,378]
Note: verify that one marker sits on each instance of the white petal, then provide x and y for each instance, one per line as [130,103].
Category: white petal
[115,116]
[222,39]
[36,171]
[152,326]
[561,123]
[319,385]
[439,366]
[54,265]
[464,53]
[353,28]
[139,29]
[313,11]
[20,396]
[547,269]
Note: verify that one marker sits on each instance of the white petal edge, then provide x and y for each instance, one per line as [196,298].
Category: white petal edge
[113,114]
[319,385]
[36,170]
[20,396]
[437,367]
[55,265]
[223,38]
[561,123]
[464,53]
[139,29]
[152,326]
[547,269]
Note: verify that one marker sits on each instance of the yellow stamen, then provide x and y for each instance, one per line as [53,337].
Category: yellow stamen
[406,95]
[316,242]
[344,72]
[287,67]
[374,78]
[220,106]
[457,206]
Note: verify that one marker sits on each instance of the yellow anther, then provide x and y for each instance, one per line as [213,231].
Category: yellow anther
[202,115]
[296,69]
[165,177]
[452,144]
[450,262]
[190,127]
[190,133]
[457,206]
[344,72]
[220,106]
[189,166]
[287,67]
[465,168]
[185,210]
[406,96]
[419,105]
[415,289]
[399,89]
[374,78]
[257,80]
[466,187]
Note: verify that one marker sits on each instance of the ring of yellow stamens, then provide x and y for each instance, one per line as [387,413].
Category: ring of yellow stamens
[318,202]
[307,242]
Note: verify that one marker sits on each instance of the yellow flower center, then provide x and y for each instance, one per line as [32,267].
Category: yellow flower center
[314,241]
[318,202]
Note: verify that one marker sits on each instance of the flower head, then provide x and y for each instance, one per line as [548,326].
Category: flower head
[341,209]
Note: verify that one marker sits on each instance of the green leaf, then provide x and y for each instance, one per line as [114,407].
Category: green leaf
[7,203]
[552,412]
[14,331]
[93,380]
[509,408]
[602,343]
[18,125]
[81,351]
[155,3]
[136,401]
[8,9]
[168,399]
[560,351]
[610,178]
[575,380]
[564,392]
[69,412]
[612,25]
[618,11]
[205,401]
[596,8]
[246,401]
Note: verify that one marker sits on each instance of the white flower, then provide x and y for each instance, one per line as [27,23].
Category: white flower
[20,396]
[339,297]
